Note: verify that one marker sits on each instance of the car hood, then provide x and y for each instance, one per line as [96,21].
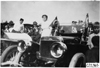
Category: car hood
[17,36]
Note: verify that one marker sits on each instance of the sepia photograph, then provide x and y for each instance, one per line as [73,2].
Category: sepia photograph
[57,33]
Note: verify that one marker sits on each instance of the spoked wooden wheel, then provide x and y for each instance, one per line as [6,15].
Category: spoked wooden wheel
[9,55]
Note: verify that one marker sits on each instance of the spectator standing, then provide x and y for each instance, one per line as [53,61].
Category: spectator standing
[45,26]
[92,55]
[96,32]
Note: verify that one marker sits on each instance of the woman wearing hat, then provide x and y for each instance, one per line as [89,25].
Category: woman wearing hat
[45,25]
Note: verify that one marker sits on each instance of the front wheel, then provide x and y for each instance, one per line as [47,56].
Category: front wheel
[8,55]
[13,58]
[78,60]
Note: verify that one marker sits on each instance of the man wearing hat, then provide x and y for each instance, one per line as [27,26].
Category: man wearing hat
[35,26]
[96,32]
[92,55]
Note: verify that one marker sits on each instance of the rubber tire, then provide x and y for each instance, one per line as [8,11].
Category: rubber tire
[76,58]
[7,51]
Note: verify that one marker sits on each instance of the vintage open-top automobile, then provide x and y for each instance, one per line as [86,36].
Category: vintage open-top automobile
[65,50]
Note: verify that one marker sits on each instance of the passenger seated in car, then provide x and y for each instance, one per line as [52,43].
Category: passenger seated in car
[35,26]
[34,32]
[20,27]
[11,26]
[6,28]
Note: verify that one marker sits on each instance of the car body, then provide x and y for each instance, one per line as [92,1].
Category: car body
[63,51]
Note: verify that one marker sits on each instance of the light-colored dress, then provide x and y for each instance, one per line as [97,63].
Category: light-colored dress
[46,29]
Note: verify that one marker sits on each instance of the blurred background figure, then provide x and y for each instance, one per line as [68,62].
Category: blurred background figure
[80,22]
[74,29]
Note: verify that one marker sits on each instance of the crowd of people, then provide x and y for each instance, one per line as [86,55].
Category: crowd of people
[45,28]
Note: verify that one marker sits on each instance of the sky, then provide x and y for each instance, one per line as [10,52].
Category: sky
[66,11]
